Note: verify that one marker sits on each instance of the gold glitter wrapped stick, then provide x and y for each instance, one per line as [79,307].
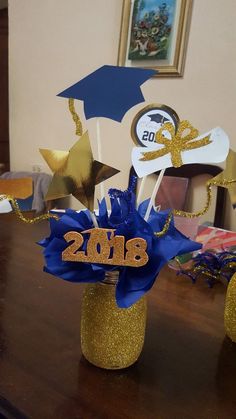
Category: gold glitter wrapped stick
[19,214]
[177,143]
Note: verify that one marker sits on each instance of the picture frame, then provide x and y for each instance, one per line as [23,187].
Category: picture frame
[154,34]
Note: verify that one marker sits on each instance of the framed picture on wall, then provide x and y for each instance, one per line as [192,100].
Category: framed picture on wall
[154,34]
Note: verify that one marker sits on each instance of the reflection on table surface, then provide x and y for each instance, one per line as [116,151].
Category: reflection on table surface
[187,368]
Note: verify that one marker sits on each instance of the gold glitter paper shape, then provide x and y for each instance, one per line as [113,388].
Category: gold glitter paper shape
[104,250]
[76,172]
[228,173]
[230,310]
[178,142]
[111,337]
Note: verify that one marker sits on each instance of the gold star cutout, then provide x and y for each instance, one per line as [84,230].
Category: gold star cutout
[76,172]
[228,174]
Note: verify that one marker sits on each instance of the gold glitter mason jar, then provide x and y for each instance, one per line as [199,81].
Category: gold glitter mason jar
[111,337]
[230,309]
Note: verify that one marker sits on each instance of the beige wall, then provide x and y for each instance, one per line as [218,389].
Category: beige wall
[53,43]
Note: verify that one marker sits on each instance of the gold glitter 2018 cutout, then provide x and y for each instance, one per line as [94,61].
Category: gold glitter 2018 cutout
[132,253]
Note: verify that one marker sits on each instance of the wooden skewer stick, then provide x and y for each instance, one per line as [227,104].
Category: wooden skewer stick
[94,219]
[99,145]
[141,189]
[155,190]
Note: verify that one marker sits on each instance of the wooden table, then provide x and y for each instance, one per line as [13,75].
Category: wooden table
[187,368]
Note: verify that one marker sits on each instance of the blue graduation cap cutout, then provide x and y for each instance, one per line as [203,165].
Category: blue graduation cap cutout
[110,91]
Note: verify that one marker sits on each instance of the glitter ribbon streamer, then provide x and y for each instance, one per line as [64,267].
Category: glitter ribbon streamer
[21,216]
[213,266]
[166,226]
[177,143]
[167,223]
[185,214]
[209,184]
[76,118]
[229,173]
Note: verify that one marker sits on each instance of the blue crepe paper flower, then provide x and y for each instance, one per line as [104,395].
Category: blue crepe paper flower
[133,282]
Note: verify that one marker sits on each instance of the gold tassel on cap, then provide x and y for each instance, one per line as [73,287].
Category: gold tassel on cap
[76,118]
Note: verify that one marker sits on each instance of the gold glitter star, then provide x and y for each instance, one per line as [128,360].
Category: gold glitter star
[76,172]
[228,174]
